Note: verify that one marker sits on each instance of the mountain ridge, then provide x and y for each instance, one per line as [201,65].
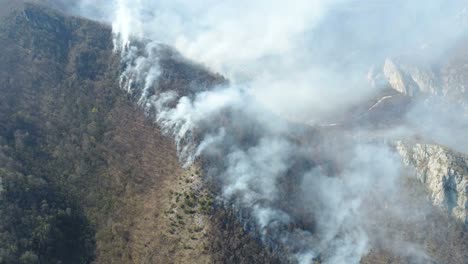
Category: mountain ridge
[65,118]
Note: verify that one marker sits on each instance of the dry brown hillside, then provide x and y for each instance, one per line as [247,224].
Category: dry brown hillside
[65,121]
[87,177]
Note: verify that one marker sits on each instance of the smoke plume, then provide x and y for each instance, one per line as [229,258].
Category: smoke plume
[304,190]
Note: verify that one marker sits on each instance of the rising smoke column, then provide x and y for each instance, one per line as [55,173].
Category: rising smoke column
[312,208]
[258,164]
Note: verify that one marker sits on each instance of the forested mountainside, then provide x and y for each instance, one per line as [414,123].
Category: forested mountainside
[84,175]
[87,177]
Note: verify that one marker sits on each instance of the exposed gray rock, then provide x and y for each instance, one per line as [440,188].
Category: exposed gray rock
[398,79]
[411,79]
[443,171]
[448,79]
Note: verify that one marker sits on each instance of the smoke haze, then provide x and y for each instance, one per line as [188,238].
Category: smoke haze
[301,191]
[303,57]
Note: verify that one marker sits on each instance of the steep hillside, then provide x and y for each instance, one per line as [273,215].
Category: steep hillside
[86,176]
[77,153]
[444,172]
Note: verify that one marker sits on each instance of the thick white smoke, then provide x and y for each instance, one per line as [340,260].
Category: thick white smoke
[296,60]
[300,57]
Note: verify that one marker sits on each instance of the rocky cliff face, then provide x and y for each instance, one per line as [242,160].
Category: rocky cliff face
[442,82]
[444,173]
[410,80]
[445,78]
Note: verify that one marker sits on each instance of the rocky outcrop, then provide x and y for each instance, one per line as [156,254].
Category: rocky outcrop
[446,78]
[406,78]
[398,79]
[443,171]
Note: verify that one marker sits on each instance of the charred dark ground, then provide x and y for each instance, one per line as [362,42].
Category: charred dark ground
[86,177]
